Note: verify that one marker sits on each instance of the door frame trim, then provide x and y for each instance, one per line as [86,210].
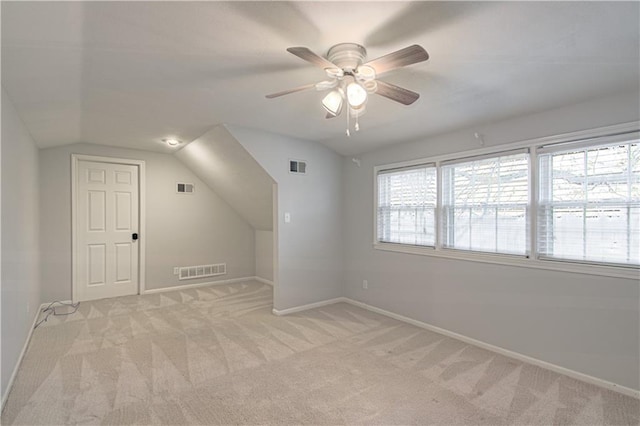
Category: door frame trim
[75,159]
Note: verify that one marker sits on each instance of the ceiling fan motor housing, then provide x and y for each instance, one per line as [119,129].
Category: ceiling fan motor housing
[347,56]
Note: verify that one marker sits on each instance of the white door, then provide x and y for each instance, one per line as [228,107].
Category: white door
[107,253]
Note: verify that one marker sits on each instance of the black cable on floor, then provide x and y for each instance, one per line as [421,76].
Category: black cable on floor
[51,310]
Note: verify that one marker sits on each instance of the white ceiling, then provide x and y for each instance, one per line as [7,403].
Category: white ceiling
[131,73]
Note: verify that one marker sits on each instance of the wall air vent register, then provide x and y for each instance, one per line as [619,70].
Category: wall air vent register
[185,188]
[201,271]
[297,167]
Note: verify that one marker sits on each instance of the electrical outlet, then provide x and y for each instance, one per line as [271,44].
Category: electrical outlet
[176,270]
[365,284]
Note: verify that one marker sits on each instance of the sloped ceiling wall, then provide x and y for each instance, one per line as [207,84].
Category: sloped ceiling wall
[220,161]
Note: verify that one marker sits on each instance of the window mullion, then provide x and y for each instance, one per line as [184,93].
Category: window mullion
[438,211]
[532,205]
[497,203]
[585,188]
[629,182]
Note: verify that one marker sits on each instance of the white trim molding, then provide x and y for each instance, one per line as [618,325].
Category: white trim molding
[281,312]
[22,353]
[488,346]
[263,280]
[502,351]
[514,260]
[198,285]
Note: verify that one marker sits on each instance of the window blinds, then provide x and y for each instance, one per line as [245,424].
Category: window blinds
[589,201]
[485,203]
[406,205]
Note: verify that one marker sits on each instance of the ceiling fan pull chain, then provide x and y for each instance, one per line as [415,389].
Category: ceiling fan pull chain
[348,132]
[357,126]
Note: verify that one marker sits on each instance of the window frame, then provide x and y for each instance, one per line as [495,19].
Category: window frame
[470,159]
[418,166]
[533,260]
[582,146]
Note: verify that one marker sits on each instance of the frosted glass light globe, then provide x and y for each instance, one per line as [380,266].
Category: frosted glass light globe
[333,102]
[356,95]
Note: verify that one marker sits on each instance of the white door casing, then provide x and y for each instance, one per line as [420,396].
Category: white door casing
[106,198]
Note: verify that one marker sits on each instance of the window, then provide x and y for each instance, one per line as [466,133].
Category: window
[485,203]
[589,201]
[572,204]
[406,205]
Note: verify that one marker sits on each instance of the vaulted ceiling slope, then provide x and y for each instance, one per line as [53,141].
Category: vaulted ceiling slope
[221,162]
[131,73]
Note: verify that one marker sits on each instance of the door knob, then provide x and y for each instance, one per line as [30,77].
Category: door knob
[134,236]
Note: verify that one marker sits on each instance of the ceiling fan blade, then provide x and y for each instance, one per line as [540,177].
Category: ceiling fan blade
[396,93]
[400,58]
[296,89]
[309,56]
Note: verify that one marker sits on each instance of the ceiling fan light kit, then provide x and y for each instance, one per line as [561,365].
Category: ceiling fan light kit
[333,102]
[356,95]
[351,80]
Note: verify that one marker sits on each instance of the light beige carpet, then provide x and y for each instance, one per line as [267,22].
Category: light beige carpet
[217,355]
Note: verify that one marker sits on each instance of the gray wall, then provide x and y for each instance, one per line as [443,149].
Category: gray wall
[310,246]
[181,230]
[585,323]
[227,168]
[264,254]
[20,257]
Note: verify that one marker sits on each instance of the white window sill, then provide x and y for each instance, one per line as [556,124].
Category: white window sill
[511,260]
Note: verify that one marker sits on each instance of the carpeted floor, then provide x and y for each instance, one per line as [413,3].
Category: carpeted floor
[216,355]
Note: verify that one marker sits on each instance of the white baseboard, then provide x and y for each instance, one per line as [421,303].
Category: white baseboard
[493,348]
[65,302]
[24,350]
[263,281]
[497,349]
[190,286]
[502,351]
[308,306]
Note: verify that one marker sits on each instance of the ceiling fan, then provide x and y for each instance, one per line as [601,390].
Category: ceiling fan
[351,79]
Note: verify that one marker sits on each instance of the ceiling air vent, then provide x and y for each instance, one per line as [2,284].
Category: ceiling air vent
[297,167]
[185,188]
